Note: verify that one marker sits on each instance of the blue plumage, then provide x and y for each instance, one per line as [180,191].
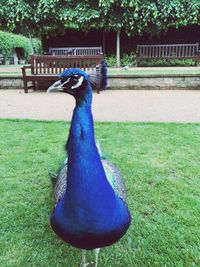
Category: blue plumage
[74,71]
[90,214]
[104,75]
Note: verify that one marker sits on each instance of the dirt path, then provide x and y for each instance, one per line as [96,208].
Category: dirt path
[130,105]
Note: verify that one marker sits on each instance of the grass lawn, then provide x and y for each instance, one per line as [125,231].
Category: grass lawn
[154,71]
[161,166]
[15,70]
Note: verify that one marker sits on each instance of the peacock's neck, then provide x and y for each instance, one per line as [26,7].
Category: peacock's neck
[85,98]
[82,128]
[86,179]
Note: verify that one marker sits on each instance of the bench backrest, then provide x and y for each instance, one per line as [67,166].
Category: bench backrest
[168,51]
[46,64]
[76,51]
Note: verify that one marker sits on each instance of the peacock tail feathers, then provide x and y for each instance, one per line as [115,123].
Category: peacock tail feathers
[104,75]
[115,179]
[59,181]
[99,76]
[101,152]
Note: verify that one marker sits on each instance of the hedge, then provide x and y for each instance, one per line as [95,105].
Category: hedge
[10,41]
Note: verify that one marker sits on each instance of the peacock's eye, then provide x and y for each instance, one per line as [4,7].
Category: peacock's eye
[75,78]
[76,81]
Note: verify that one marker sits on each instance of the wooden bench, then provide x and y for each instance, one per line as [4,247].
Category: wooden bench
[169,51]
[47,68]
[76,51]
[4,60]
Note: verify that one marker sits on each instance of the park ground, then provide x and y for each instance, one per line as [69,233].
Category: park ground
[110,105]
[160,166]
[159,163]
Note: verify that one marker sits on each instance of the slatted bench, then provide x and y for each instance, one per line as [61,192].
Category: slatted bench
[169,51]
[47,68]
[76,51]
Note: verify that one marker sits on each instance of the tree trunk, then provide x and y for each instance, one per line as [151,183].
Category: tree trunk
[31,43]
[118,48]
[104,42]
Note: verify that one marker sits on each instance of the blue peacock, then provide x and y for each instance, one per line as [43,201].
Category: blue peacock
[91,210]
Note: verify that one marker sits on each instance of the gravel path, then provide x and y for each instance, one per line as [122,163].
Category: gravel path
[125,105]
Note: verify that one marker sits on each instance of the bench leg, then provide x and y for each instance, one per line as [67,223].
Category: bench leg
[34,86]
[98,89]
[25,86]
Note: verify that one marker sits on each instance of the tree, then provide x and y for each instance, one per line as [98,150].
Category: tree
[137,16]
[60,15]
[18,16]
[114,15]
[134,16]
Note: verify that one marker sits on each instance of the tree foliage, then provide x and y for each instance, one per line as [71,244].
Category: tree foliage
[59,15]
[18,15]
[10,41]
[135,16]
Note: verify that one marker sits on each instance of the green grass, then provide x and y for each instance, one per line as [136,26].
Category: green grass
[11,70]
[161,167]
[152,72]
[15,71]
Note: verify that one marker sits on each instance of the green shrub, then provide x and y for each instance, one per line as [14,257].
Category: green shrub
[166,62]
[111,61]
[10,42]
[130,60]
[126,60]
[37,46]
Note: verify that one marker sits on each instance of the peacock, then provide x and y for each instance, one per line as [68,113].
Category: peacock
[90,210]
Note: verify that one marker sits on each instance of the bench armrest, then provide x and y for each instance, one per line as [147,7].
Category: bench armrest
[24,68]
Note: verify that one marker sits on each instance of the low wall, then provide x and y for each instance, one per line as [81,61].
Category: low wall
[153,82]
[123,82]
[11,83]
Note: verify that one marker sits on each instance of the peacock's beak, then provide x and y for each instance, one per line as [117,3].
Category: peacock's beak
[56,87]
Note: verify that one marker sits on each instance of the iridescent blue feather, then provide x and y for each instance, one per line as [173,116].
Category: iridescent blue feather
[90,210]
[112,173]
[104,75]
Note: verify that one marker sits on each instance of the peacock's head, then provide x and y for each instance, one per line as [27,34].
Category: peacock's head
[73,81]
